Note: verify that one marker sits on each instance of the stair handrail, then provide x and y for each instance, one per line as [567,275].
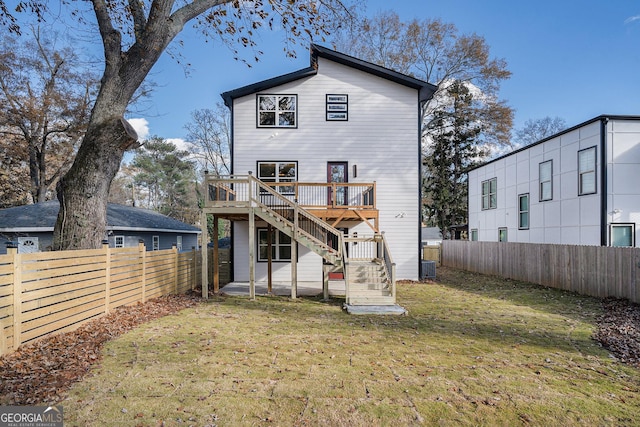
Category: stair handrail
[297,225]
[385,254]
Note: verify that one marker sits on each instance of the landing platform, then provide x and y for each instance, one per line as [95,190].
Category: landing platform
[375,309]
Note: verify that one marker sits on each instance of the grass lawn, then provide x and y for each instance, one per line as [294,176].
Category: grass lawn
[473,350]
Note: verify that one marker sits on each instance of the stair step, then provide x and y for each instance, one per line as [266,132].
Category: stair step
[371,300]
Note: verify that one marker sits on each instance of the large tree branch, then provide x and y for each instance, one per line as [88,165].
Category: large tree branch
[111,38]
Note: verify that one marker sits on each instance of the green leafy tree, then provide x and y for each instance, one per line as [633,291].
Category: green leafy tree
[134,34]
[167,177]
[453,151]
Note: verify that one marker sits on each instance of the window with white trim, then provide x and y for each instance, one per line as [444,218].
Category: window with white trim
[623,234]
[489,194]
[156,243]
[119,242]
[280,245]
[587,171]
[523,211]
[279,172]
[179,243]
[546,183]
[277,111]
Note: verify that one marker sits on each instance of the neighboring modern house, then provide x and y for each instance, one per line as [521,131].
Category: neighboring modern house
[31,226]
[579,187]
[339,140]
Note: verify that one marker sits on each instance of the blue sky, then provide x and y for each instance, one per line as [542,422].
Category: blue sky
[571,59]
[574,59]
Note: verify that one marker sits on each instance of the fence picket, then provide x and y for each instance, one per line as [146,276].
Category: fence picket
[598,271]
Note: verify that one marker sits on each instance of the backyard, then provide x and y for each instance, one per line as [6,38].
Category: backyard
[473,350]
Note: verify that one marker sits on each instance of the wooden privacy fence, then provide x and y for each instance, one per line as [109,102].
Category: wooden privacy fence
[47,292]
[598,271]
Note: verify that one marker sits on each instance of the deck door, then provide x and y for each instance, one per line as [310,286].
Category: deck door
[337,172]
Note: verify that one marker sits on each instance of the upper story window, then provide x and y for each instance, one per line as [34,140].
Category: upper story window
[546,183]
[587,171]
[277,111]
[523,211]
[489,194]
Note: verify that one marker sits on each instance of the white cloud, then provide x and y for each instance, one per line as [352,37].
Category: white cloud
[631,19]
[141,126]
[180,143]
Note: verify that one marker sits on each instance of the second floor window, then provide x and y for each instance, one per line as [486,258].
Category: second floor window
[523,211]
[587,171]
[489,194]
[546,184]
[277,111]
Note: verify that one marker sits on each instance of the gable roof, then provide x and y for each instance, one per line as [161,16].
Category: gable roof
[425,90]
[41,217]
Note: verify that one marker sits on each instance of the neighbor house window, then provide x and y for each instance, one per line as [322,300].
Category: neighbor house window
[280,245]
[523,211]
[179,243]
[489,197]
[474,235]
[277,111]
[279,172]
[587,171]
[502,235]
[119,242]
[623,234]
[546,184]
[156,243]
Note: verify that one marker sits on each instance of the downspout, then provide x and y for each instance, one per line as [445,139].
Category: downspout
[420,104]
[232,236]
[604,229]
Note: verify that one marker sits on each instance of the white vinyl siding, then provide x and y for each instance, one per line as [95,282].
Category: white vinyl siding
[380,111]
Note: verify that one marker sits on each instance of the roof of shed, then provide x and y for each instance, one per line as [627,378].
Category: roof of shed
[426,90]
[42,217]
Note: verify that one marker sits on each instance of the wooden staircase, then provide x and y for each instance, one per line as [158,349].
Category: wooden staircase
[369,276]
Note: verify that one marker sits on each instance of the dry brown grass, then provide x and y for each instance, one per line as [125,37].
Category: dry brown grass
[474,350]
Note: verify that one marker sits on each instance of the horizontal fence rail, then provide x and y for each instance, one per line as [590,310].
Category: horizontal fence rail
[598,271]
[52,292]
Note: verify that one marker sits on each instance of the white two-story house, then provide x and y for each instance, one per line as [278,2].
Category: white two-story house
[580,187]
[324,161]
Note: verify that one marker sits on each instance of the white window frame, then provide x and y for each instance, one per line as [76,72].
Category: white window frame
[277,237]
[587,170]
[155,245]
[632,228]
[489,198]
[277,110]
[503,234]
[523,212]
[119,244]
[546,180]
[278,176]
[179,243]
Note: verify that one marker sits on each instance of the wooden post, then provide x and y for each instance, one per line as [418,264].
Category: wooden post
[194,259]
[12,249]
[252,254]
[269,260]
[216,257]
[143,259]
[174,249]
[294,252]
[205,255]
[325,282]
[107,276]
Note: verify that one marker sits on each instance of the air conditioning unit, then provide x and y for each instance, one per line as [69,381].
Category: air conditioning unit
[428,270]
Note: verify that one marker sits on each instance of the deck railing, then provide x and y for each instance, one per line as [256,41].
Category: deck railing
[361,247]
[232,190]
